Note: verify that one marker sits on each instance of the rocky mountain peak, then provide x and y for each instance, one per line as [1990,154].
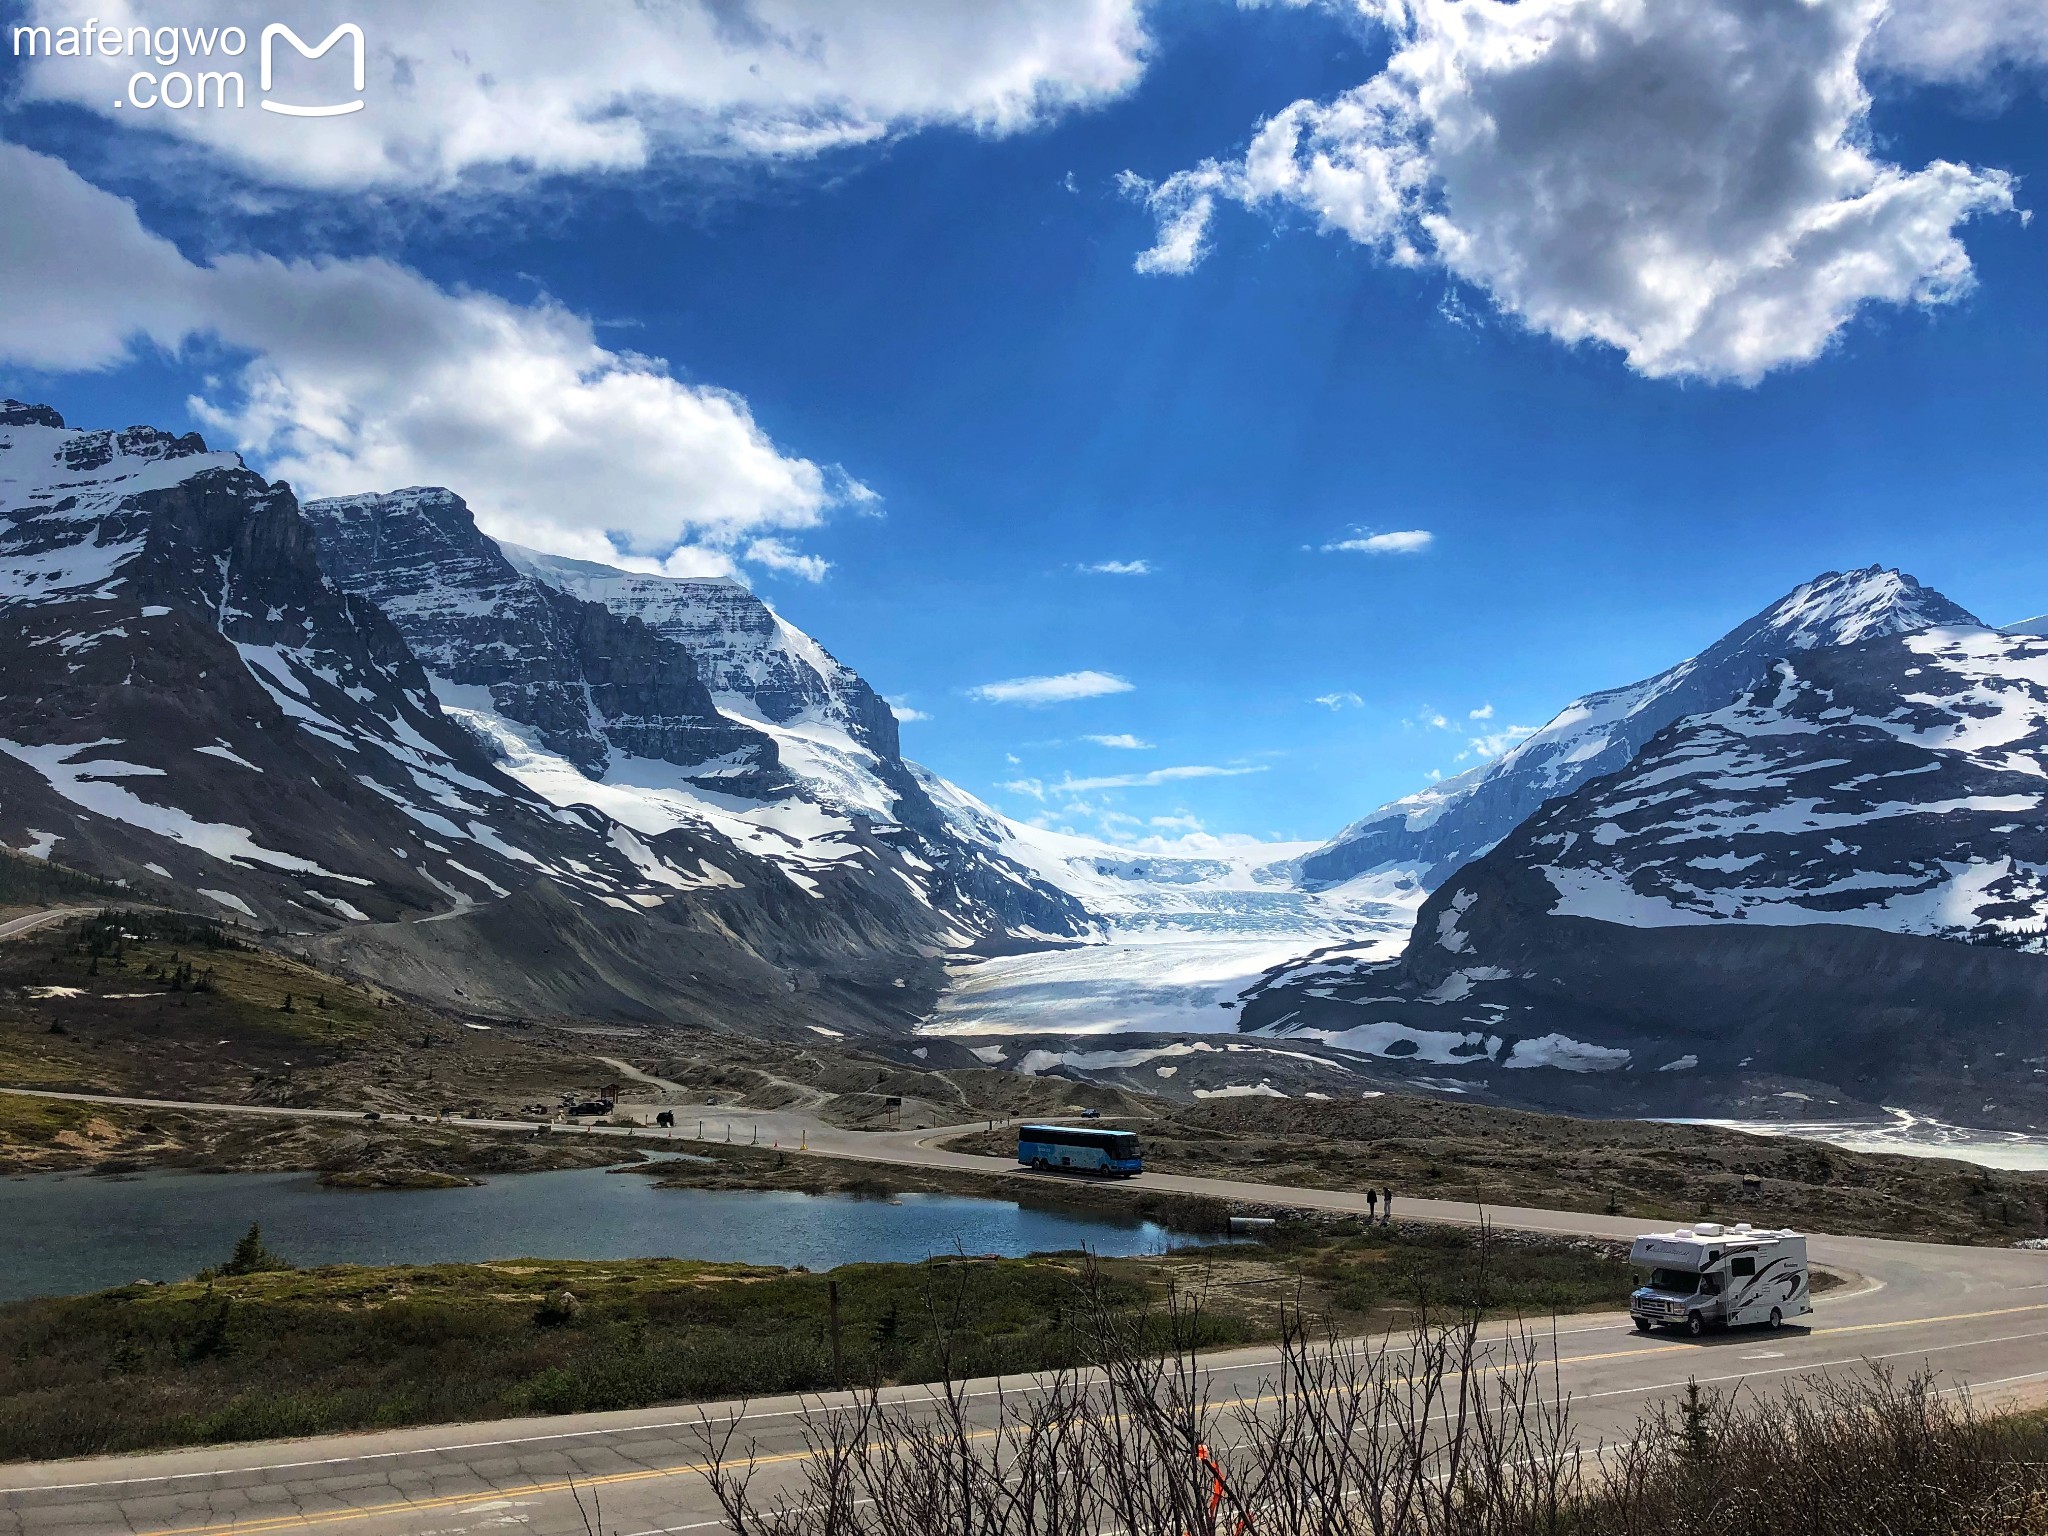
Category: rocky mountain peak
[19,413]
[1432,833]
[756,663]
[590,683]
[1844,607]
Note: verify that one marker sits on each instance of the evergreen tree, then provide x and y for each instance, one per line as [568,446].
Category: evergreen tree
[251,1257]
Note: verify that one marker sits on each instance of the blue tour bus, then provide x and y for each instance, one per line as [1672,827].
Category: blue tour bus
[1072,1149]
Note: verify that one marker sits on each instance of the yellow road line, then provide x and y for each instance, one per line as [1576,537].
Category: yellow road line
[678,1469]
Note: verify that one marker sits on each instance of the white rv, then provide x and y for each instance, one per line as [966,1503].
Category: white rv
[1710,1276]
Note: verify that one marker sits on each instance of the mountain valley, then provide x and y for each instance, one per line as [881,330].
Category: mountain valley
[1803,870]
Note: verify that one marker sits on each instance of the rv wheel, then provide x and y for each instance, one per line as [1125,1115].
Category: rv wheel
[1695,1324]
[1777,1318]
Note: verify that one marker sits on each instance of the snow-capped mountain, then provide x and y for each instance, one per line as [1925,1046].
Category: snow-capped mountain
[189,704]
[1838,879]
[596,697]
[1429,835]
[188,700]
[756,663]
[589,683]
[833,733]
[1897,784]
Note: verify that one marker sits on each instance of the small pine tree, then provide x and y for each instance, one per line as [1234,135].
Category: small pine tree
[1696,1425]
[287,1002]
[251,1257]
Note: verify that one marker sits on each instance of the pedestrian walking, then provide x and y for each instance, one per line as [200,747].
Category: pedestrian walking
[1386,1207]
[1372,1206]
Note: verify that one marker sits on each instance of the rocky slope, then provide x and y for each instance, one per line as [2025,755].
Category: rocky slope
[1429,835]
[188,700]
[189,704]
[838,742]
[755,662]
[1830,890]
[590,683]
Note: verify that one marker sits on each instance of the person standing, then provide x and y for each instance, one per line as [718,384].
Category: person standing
[1372,1206]
[1386,1207]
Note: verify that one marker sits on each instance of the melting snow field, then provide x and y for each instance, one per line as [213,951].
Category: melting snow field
[1907,1135]
[1165,983]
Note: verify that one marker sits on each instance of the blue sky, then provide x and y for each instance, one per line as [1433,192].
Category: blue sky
[949,315]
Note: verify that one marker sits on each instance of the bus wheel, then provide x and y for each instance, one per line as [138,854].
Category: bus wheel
[1777,1318]
[1695,1324]
[1642,1325]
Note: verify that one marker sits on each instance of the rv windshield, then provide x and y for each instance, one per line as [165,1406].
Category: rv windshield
[1674,1280]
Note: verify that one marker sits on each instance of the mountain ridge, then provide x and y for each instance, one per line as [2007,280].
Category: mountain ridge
[1831,888]
[1432,832]
[193,707]
[590,681]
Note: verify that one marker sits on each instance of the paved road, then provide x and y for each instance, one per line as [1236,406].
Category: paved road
[14,928]
[1977,1316]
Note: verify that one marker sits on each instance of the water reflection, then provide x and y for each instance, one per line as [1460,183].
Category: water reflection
[68,1233]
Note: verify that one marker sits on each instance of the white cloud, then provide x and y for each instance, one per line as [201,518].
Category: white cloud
[1431,719]
[1483,712]
[779,555]
[902,709]
[1034,788]
[1335,701]
[1177,823]
[1959,40]
[1496,742]
[690,560]
[1119,568]
[1404,541]
[1151,780]
[1124,741]
[1060,689]
[362,375]
[1197,843]
[1691,182]
[514,89]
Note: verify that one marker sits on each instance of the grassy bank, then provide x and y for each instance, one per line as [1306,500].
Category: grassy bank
[236,1357]
[57,1135]
[172,1007]
[1432,1149]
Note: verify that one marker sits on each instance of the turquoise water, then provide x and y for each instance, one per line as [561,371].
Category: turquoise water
[69,1233]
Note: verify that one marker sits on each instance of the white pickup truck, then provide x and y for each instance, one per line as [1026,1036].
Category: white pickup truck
[1710,1276]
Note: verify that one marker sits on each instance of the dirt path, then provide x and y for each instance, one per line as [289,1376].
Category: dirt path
[627,1069]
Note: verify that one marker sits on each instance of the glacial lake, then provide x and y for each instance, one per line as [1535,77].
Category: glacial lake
[70,1233]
